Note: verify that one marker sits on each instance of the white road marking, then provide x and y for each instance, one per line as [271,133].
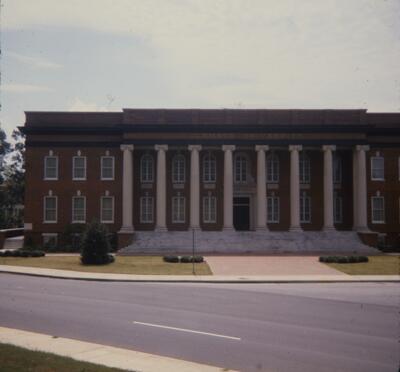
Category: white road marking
[187,330]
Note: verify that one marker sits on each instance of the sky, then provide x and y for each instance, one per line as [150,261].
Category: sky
[105,55]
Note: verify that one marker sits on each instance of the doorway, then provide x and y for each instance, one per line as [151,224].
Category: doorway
[241,213]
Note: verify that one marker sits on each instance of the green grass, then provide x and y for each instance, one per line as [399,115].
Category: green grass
[377,265]
[18,359]
[139,265]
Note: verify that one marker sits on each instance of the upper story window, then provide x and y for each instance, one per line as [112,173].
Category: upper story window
[78,209]
[377,168]
[79,168]
[178,169]
[272,168]
[209,168]
[337,169]
[50,209]
[107,167]
[146,169]
[305,168]
[240,168]
[51,168]
[378,209]
[107,209]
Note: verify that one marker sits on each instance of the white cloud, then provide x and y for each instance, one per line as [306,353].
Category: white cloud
[80,105]
[34,61]
[24,88]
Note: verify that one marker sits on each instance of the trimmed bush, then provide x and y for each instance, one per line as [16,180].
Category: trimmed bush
[198,259]
[22,253]
[95,245]
[343,259]
[171,259]
[186,259]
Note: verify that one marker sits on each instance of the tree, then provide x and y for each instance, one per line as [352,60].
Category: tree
[95,245]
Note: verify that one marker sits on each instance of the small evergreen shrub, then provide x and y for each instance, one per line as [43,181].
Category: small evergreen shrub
[22,253]
[171,259]
[95,245]
[343,259]
[186,259]
[198,259]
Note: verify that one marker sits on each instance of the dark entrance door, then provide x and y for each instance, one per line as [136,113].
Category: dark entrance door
[241,213]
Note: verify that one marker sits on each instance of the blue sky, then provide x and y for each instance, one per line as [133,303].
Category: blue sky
[110,54]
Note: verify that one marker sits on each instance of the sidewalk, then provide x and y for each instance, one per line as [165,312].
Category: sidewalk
[100,354]
[77,275]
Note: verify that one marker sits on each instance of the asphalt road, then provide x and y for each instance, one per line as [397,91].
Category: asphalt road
[262,327]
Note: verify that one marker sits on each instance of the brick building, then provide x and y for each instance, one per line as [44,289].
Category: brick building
[241,179]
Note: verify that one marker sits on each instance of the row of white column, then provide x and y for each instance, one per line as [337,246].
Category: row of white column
[359,187]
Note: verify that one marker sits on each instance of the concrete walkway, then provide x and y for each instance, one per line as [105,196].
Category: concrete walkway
[99,354]
[79,275]
[269,265]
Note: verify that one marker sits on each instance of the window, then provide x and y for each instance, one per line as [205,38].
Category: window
[305,168]
[50,209]
[146,169]
[305,208]
[337,209]
[240,168]
[377,168]
[146,209]
[272,168]
[337,169]
[178,169]
[51,168]
[178,209]
[273,209]
[209,209]
[79,168]
[107,167]
[378,209]
[209,168]
[49,240]
[107,209]
[78,209]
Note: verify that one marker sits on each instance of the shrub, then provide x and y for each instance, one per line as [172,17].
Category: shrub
[186,259]
[171,259]
[95,245]
[198,259]
[22,253]
[343,259]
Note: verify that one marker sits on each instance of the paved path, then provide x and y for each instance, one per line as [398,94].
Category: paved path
[263,327]
[80,275]
[268,265]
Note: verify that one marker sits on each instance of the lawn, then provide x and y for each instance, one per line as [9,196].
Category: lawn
[17,359]
[139,265]
[377,265]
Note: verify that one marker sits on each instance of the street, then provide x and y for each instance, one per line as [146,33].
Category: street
[247,327]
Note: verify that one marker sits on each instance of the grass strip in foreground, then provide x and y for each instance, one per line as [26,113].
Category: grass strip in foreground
[377,265]
[136,265]
[18,359]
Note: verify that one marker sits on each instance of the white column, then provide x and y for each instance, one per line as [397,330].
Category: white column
[228,186]
[355,191]
[161,224]
[194,186]
[361,192]
[261,188]
[294,188]
[328,187]
[127,189]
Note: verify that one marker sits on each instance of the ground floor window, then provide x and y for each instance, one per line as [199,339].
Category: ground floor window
[50,209]
[378,209]
[209,209]
[273,209]
[305,208]
[146,209]
[178,209]
[337,209]
[107,209]
[49,240]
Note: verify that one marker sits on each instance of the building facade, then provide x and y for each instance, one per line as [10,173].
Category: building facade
[252,176]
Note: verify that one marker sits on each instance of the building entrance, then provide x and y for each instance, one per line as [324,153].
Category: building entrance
[241,213]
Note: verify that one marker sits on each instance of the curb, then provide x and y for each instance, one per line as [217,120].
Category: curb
[216,280]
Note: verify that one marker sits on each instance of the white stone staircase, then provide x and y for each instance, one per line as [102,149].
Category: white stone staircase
[228,242]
